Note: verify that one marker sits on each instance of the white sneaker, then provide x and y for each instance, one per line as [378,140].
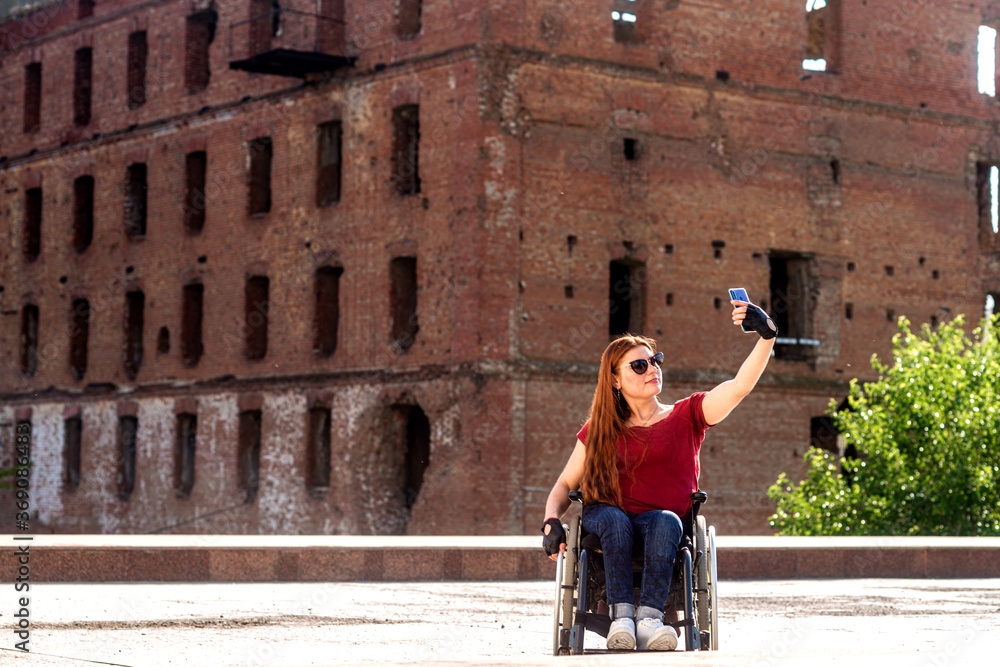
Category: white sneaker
[621,635]
[654,636]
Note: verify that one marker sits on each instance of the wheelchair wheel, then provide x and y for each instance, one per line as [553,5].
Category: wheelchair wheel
[560,564]
[567,572]
[713,597]
[701,581]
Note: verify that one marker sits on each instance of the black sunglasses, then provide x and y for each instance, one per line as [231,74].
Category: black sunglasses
[641,365]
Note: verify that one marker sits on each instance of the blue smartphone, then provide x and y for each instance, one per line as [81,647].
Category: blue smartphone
[740,294]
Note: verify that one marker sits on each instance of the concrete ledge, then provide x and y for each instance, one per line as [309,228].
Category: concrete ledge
[858,557]
[269,558]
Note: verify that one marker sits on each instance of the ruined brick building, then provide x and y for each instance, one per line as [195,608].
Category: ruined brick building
[348,267]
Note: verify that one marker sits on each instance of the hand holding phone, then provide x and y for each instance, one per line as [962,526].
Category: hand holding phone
[740,294]
[755,320]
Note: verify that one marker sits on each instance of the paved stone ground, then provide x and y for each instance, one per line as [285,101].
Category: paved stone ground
[918,623]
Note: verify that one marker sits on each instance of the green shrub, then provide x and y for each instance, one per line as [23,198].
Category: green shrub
[926,437]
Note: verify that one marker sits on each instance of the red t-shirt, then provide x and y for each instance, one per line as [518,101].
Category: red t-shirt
[670,467]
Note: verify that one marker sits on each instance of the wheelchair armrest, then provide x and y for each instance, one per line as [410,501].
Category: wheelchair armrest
[576,496]
[697,498]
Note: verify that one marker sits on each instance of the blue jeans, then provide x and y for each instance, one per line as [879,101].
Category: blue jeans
[660,531]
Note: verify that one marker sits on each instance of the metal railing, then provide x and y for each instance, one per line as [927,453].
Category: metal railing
[784,340]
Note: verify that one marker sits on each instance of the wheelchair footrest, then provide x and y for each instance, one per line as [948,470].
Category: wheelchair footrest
[599,623]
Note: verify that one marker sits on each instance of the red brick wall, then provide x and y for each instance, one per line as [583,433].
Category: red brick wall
[523,111]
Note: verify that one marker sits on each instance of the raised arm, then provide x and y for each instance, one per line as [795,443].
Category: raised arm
[720,401]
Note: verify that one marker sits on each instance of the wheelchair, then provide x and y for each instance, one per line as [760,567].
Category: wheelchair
[581,599]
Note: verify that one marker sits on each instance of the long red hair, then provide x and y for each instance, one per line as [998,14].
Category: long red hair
[609,413]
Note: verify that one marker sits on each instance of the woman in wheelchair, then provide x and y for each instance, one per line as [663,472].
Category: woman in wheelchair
[637,463]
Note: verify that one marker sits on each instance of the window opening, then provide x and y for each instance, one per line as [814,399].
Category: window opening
[83,71]
[328,171]
[418,451]
[994,211]
[630,148]
[816,45]
[83,213]
[327,310]
[191,316]
[84,9]
[990,306]
[138,50]
[135,201]
[318,453]
[275,18]
[32,224]
[624,14]
[134,306]
[163,341]
[789,294]
[184,450]
[823,434]
[128,428]
[79,337]
[987,60]
[409,18]
[988,204]
[72,436]
[265,17]
[200,34]
[195,168]
[403,302]
[32,97]
[256,311]
[29,339]
[261,152]
[626,298]
[406,149]
[248,461]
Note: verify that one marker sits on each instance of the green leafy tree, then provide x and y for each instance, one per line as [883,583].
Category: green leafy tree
[926,440]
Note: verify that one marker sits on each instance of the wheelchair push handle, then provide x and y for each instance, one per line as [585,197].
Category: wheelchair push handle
[698,498]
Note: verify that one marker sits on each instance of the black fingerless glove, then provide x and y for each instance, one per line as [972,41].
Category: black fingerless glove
[757,320]
[555,537]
